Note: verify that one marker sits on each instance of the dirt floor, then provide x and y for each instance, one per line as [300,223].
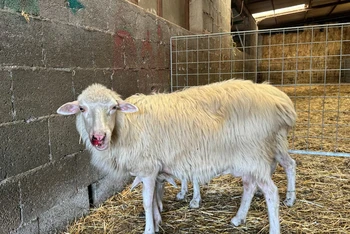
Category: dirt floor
[323,183]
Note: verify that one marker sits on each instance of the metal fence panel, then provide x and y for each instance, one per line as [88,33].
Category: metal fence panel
[311,64]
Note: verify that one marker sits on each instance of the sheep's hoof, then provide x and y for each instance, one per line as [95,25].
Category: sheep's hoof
[237,221]
[259,193]
[157,222]
[148,232]
[180,196]
[289,202]
[194,204]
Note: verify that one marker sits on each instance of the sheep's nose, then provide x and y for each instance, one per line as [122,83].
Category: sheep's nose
[98,137]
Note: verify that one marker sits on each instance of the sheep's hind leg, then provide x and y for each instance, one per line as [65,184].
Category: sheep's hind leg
[273,167]
[289,166]
[272,200]
[249,187]
[158,205]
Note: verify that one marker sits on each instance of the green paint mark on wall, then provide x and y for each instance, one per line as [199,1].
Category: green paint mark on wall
[75,5]
[29,6]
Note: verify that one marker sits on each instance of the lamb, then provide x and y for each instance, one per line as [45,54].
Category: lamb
[227,127]
[283,159]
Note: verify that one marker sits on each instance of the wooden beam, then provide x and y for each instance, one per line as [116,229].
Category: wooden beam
[187,14]
[160,8]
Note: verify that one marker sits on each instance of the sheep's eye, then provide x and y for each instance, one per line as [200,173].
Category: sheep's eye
[115,107]
[81,109]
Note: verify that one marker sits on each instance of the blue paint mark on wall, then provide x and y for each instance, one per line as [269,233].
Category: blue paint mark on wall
[75,5]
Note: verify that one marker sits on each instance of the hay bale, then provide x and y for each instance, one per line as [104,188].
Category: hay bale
[315,53]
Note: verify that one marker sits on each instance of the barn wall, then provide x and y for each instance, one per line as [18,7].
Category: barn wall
[208,16]
[45,175]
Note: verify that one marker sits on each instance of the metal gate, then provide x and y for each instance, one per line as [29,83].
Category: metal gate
[311,64]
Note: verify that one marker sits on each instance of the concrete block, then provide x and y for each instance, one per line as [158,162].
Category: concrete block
[196,16]
[147,51]
[162,56]
[23,147]
[47,186]
[58,43]
[66,46]
[64,137]
[86,172]
[125,50]
[112,10]
[93,14]
[29,6]
[54,10]
[31,227]
[125,16]
[44,91]
[58,217]
[5,97]
[10,212]
[131,54]
[163,31]
[206,5]
[101,47]
[146,26]
[154,80]
[163,80]
[125,82]
[208,23]
[148,81]
[84,78]
[118,51]
[107,187]
[20,42]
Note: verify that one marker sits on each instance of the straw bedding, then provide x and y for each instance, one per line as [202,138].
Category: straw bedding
[323,192]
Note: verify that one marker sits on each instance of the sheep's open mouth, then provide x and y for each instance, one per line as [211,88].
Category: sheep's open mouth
[99,144]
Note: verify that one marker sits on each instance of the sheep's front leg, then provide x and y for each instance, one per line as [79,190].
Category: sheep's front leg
[196,200]
[148,199]
[181,195]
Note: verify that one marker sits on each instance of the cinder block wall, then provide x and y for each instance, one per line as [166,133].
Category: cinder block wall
[46,179]
[208,16]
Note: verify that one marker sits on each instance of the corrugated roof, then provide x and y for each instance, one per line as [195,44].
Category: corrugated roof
[317,11]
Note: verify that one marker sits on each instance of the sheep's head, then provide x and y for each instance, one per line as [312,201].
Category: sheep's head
[98,107]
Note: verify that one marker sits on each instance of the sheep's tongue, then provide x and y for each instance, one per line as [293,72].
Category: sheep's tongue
[96,142]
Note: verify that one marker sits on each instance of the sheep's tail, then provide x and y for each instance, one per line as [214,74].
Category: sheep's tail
[287,113]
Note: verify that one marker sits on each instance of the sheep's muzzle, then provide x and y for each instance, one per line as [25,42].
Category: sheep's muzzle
[98,141]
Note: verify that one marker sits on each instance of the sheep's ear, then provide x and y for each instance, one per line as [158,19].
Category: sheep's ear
[70,108]
[127,107]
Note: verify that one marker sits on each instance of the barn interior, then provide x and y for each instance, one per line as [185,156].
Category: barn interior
[50,51]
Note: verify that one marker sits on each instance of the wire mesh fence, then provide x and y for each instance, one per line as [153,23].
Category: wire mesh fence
[311,64]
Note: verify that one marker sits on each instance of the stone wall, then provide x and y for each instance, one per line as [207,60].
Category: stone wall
[49,52]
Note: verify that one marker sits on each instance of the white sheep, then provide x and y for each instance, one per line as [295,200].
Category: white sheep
[282,158]
[228,127]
